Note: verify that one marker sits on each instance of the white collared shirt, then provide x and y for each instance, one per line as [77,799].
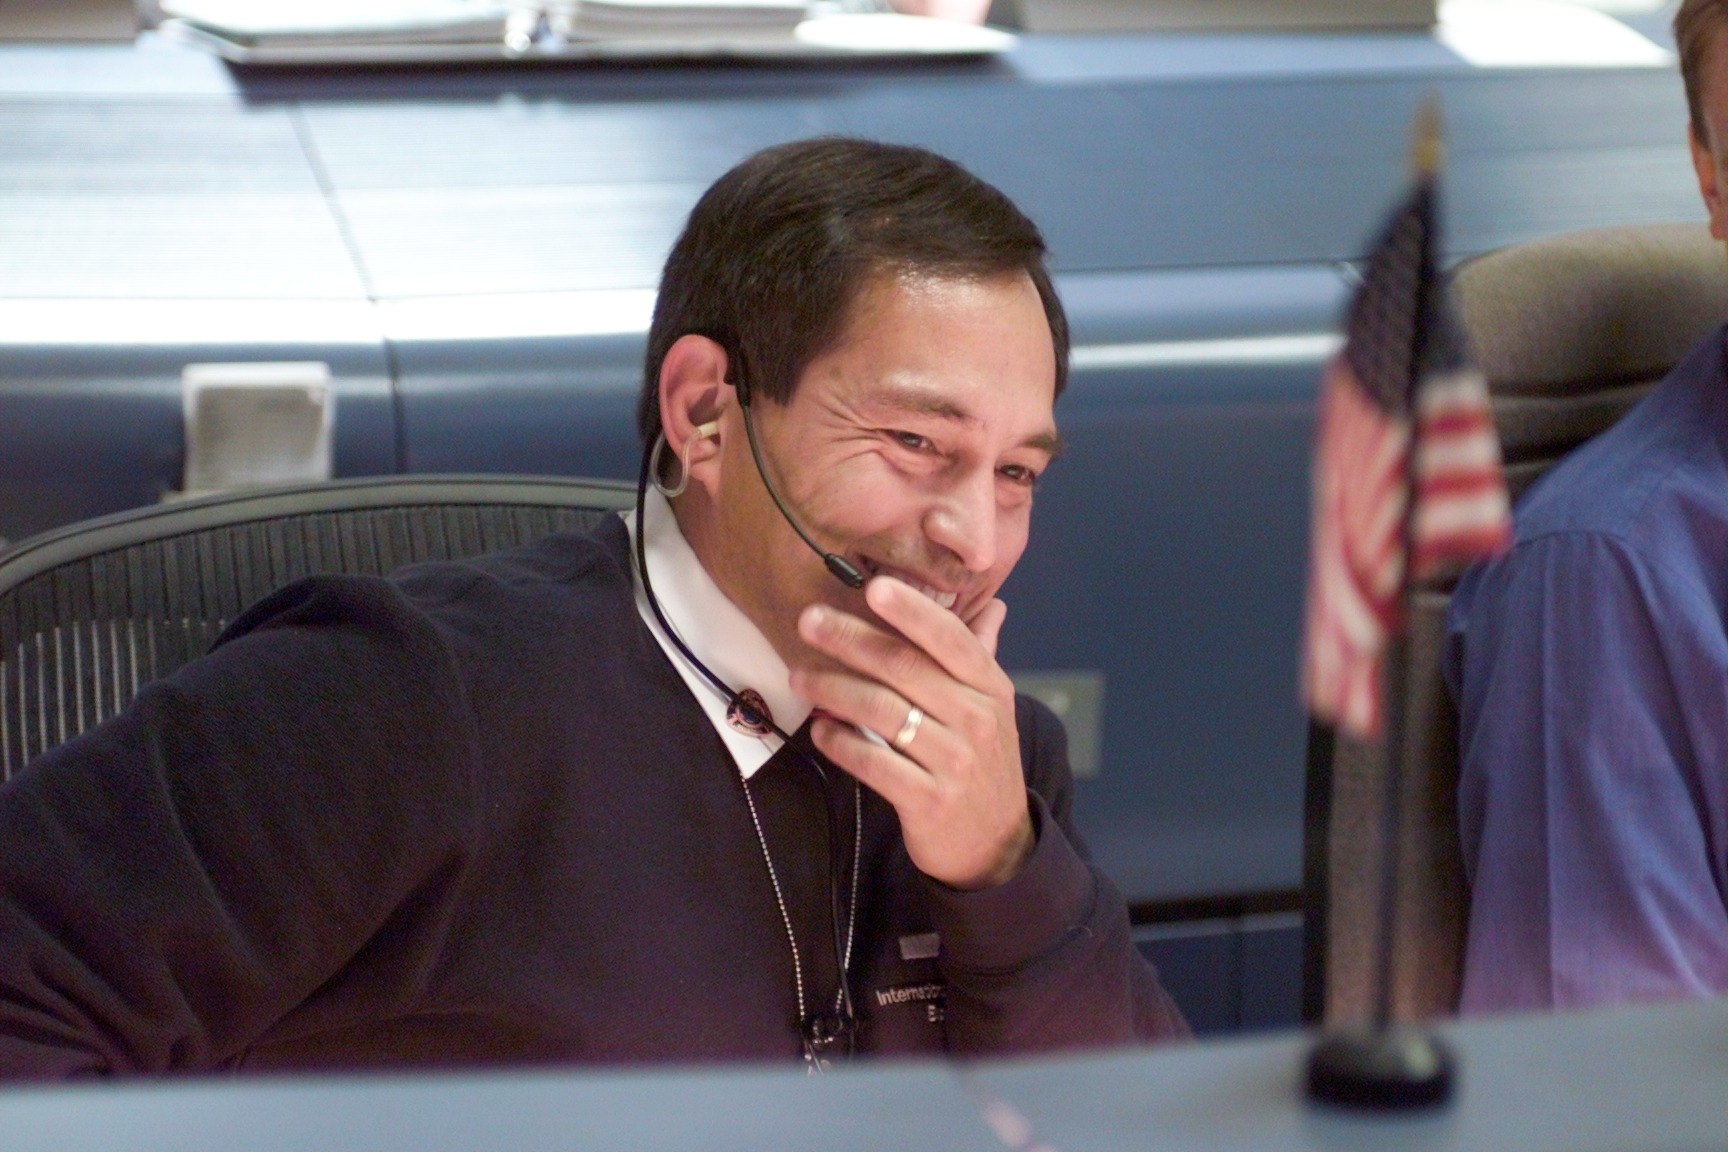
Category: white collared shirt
[716,630]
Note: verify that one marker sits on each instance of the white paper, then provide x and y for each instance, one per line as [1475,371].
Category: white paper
[1543,34]
[296,21]
[891,32]
[676,19]
[254,424]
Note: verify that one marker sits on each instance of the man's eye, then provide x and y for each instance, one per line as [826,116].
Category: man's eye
[911,440]
[1018,474]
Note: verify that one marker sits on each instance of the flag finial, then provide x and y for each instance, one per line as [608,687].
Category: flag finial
[1427,152]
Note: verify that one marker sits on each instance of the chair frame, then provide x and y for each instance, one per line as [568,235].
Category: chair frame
[48,550]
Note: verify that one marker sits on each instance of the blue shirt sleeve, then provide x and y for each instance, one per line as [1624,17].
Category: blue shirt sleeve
[1592,684]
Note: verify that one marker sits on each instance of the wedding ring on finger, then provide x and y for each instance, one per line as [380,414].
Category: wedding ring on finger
[908,730]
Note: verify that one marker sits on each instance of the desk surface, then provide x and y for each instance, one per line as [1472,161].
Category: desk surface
[1621,1081]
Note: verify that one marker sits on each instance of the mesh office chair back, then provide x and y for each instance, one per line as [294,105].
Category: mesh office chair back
[1570,331]
[91,612]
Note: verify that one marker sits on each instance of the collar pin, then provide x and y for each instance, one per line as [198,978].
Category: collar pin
[748,713]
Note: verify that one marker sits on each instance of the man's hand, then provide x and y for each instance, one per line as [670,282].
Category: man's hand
[957,783]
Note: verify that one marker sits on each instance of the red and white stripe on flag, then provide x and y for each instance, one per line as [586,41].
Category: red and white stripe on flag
[1357,564]
[1354,587]
[1462,510]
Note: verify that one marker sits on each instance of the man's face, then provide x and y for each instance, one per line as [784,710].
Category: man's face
[1710,156]
[911,448]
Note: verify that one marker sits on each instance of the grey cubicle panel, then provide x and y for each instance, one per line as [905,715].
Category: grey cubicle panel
[1646,1079]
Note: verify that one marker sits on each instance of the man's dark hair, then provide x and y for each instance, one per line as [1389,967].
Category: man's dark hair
[1697,26]
[775,253]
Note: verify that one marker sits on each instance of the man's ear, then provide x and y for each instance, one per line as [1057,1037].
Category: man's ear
[1709,184]
[693,395]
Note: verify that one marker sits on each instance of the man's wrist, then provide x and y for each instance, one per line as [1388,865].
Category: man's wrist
[1012,858]
[1002,928]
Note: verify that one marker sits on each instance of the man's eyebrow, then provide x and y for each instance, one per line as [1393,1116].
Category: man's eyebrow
[1050,443]
[924,404]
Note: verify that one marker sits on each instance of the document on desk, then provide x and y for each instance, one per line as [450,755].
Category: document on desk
[395,32]
[255,424]
[731,20]
[315,23]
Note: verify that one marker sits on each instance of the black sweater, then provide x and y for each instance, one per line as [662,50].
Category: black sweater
[472,814]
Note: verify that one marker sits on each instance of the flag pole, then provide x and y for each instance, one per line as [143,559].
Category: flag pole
[1388,1067]
[1426,158]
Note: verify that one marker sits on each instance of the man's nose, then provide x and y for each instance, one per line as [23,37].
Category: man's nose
[964,521]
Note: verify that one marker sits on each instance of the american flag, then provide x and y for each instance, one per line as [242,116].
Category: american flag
[1401,354]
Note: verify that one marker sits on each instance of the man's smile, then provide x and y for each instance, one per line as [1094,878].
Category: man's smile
[943,597]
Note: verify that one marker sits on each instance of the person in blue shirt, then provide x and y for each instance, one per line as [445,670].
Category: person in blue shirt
[1590,667]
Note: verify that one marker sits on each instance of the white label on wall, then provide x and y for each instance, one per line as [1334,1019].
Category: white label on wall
[255,424]
[1077,698]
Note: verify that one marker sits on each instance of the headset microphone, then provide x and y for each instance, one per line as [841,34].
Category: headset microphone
[843,569]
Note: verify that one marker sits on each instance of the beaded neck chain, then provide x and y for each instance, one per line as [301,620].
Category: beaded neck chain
[826,1034]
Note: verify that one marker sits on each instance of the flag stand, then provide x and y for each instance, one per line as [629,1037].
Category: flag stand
[1387,1067]
[1384,1069]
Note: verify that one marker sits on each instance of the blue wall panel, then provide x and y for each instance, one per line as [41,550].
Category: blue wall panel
[1168,550]
[90,431]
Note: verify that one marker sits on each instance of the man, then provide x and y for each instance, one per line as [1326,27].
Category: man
[534,807]
[1590,665]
